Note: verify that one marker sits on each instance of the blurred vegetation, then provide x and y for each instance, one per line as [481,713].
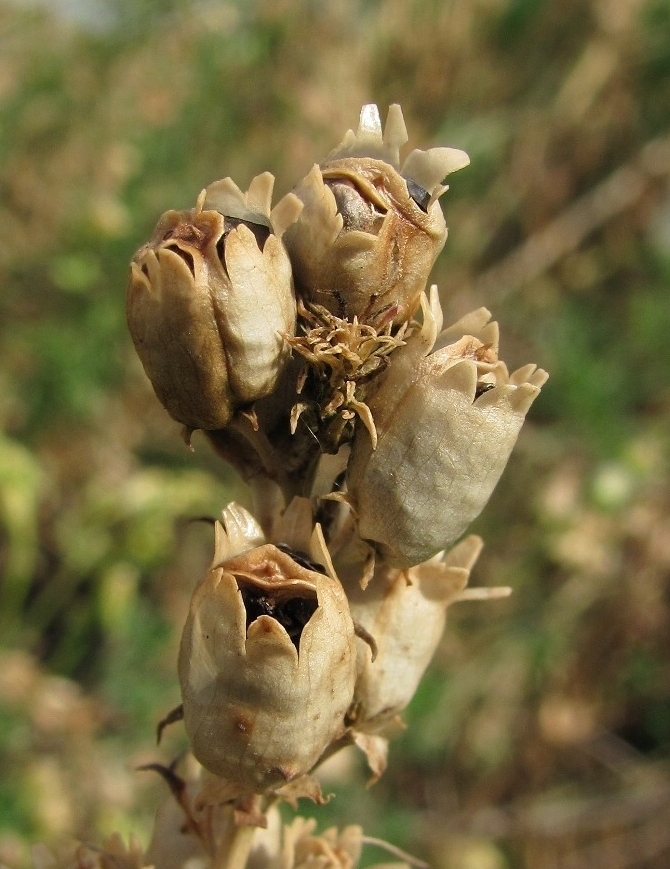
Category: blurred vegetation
[540,736]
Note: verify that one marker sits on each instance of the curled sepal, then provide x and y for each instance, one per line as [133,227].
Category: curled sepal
[370,232]
[375,749]
[304,787]
[405,612]
[446,424]
[266,666]
[210,300]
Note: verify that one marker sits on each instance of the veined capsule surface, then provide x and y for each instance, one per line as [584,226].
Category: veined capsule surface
[447,414]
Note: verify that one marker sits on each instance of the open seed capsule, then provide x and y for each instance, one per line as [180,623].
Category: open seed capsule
[267,667]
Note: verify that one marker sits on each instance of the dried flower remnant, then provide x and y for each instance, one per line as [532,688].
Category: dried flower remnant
[210,299]
[302,848]
[371,231]
[197,825]
[446,423]
[342,357]
[266,665]
[194,827]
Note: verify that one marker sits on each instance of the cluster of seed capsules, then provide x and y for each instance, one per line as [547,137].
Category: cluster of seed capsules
[303,341]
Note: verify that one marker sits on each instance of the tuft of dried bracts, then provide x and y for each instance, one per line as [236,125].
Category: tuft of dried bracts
[211,300]
[370,230]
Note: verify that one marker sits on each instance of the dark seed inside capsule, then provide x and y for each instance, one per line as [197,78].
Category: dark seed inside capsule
[418,194]
[185,255]
[261,234]
[357,213]
[292,614]
[260,231]
[482,388]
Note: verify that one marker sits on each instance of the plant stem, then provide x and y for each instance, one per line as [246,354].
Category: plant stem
[233,852]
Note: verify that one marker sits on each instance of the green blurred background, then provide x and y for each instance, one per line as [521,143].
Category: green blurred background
[540,736]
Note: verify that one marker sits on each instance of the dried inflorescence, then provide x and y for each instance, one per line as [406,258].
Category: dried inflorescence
[303,341]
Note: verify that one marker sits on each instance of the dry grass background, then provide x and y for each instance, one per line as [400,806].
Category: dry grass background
[540,736]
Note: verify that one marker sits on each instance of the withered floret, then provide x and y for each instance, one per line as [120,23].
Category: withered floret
[405,613]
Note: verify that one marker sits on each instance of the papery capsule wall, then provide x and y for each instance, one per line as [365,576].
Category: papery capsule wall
[262,702]
[405,613]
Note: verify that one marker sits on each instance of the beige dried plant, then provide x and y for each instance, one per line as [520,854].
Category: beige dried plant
[303,341]
[447,414]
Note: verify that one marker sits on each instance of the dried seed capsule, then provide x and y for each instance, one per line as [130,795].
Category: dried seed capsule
[370,232]
[210,299]
[266,665]
[446,423]
[405,614]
